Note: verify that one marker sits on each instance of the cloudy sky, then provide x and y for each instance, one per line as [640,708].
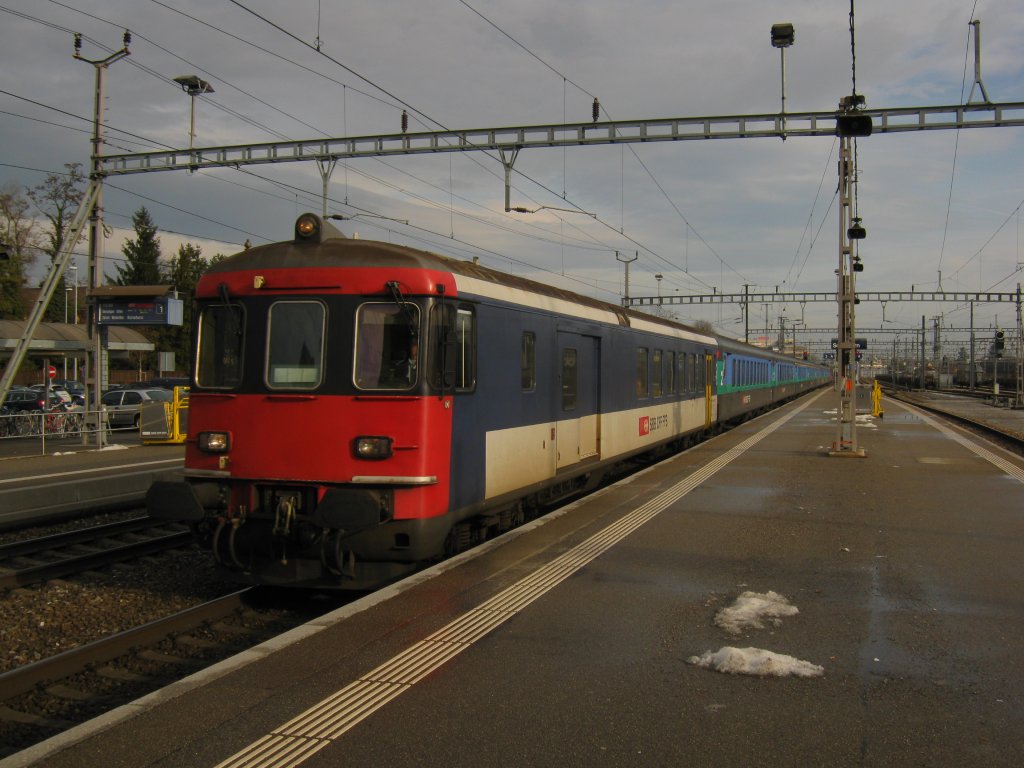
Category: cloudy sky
[706,215]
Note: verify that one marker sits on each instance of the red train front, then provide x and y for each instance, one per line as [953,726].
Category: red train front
[321,418]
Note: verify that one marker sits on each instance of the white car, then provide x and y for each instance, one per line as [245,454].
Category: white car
[124,406]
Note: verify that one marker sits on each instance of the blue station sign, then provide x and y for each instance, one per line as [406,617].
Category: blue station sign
[161,310]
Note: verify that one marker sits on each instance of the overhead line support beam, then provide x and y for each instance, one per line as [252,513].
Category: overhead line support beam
[512,139]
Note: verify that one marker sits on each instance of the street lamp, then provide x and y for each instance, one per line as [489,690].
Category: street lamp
[783,36]
[193,86]
[659,277]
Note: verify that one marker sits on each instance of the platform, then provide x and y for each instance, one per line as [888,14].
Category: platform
[569,642]
[78,478]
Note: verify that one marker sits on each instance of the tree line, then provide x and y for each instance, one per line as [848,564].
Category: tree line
[35,224]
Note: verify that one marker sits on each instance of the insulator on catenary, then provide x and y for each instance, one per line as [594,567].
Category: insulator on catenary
[597,109]
[405,121]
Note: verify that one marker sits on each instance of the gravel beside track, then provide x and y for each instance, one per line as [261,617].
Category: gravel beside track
[41,621]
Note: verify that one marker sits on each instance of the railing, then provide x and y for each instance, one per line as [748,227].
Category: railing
[21,430]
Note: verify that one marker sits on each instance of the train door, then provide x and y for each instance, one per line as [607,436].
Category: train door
[579,419]
[709,381]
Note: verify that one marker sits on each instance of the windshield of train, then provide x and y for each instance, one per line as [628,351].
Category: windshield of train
[295,344]
[219,351]
[387,346]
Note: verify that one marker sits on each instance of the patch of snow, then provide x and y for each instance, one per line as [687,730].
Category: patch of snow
[752,609]
[115,447]
[756,662]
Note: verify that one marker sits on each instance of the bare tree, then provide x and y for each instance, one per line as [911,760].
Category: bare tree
[57,199]
[17,243]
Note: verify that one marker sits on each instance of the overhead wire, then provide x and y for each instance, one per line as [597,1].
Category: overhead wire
[149,142]
[330,58]
[643,165]
[405,104]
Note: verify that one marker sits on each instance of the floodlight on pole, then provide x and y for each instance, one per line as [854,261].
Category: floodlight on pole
[783,36]
[194,86]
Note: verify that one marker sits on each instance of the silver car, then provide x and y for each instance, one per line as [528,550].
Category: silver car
[124,406]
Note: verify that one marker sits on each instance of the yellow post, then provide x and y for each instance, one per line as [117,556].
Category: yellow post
[876,401]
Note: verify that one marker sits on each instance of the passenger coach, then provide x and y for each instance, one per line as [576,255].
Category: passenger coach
[360,408]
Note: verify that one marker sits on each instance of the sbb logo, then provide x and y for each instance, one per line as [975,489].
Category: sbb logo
[645,425]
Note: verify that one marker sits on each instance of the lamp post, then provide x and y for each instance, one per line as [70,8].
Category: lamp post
[193,86]
[783,36]
[659,277]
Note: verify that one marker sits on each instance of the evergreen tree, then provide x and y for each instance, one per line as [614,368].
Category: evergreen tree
[57,198]
[17,238]
[142,255]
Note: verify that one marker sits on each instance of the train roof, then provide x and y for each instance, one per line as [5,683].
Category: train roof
[351,253]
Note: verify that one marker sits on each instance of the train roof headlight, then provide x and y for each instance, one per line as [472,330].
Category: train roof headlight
[373,447]
[214,442]
[307,227]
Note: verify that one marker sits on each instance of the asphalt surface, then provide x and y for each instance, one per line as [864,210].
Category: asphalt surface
[905,566]
[41,482]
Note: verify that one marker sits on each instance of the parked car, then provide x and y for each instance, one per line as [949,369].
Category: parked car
[124,406]
[27,399]
[59,391]
[75,388]
[72,386]
[170,382]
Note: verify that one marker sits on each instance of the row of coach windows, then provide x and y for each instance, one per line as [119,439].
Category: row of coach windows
[748,373]
[665,372]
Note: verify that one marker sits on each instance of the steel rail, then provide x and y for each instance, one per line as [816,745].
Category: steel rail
[76,564]
[70,662]
[69,538]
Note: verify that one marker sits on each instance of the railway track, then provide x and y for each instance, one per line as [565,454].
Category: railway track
[36,560]
[1009,439]
[49,696]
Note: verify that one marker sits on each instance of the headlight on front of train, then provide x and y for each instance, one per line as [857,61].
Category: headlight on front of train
[372,447]
[214,442]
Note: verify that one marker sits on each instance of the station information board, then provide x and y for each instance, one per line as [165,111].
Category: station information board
[157,311]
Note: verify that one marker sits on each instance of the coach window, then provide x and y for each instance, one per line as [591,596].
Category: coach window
[656,374]
[387,345]
[295,345]
[219,351]
[465,332]
[453,331]
[670,373]
[642,387]
[528,361]
[570,383]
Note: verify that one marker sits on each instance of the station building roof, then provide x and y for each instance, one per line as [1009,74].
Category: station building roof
[65,339]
